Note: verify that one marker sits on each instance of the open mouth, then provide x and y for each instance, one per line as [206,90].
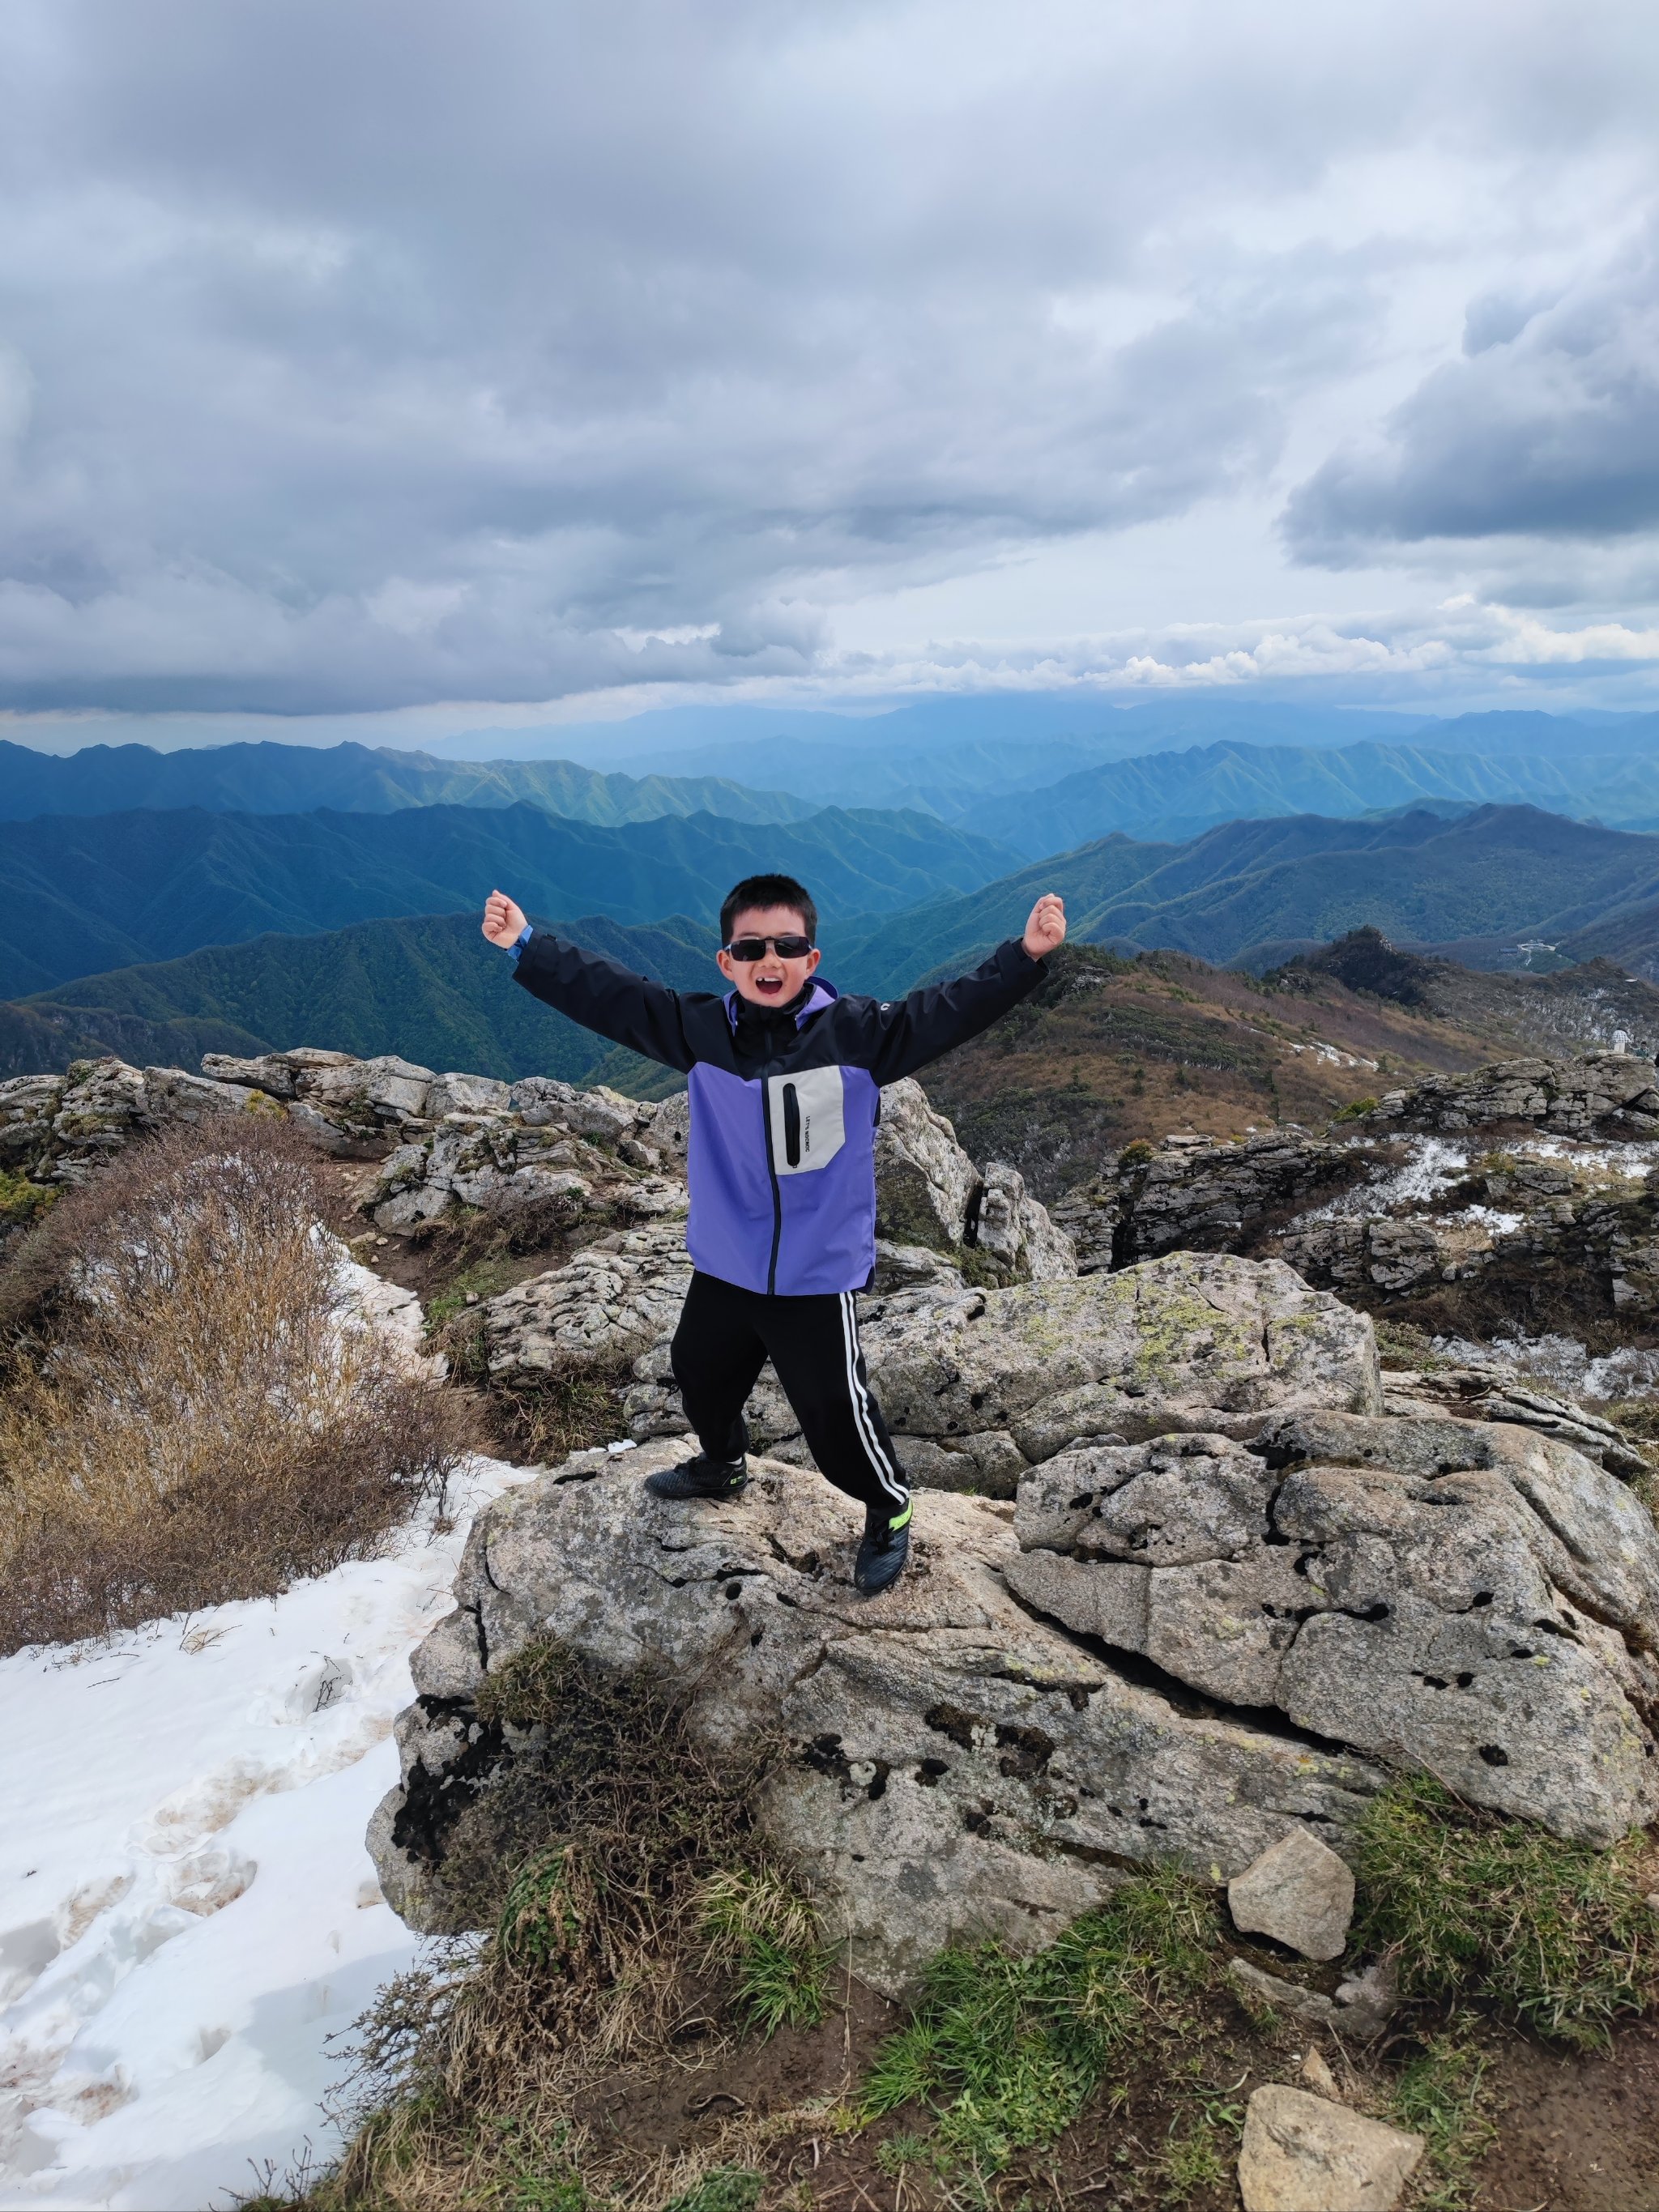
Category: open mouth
[772,985]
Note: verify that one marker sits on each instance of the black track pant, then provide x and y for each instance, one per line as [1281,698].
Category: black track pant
[726,1337]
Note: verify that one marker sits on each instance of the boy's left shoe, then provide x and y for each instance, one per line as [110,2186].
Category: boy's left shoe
[882,1553]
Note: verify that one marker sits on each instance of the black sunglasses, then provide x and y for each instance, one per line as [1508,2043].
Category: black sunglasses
[753,948]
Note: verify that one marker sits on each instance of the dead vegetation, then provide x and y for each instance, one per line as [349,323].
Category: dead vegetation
[189,1410]
[636,1921]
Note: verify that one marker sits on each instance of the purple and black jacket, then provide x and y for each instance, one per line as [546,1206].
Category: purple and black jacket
[784,1100]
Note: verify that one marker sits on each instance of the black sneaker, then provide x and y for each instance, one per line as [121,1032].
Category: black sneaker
[882,1555]
[702,1477]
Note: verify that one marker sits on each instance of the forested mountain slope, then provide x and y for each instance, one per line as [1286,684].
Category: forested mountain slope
[83,894]
[1256,892]
[429,989]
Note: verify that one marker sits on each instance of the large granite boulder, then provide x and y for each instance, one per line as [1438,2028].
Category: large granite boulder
[926,1187]
[979,1385]
[1206,1486]
[1472,1598]
[949,1765]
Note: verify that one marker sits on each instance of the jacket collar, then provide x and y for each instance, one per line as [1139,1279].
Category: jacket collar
[816,996]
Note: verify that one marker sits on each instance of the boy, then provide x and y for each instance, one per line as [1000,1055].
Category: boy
[784,1075]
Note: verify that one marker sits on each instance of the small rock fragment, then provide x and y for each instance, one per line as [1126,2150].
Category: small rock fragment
[1299,1892]
[1302,2153]
[1362,2007]
[1259,1988]
[1366,2003]
[1316,2075]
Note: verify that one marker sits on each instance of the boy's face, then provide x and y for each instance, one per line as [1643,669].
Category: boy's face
[769,980]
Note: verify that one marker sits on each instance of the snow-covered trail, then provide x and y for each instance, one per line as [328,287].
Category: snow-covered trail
[187,1912]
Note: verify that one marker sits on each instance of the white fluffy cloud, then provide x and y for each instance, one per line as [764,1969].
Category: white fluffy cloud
[360,357]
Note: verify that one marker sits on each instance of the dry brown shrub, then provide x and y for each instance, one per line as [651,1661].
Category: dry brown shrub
[186,1416]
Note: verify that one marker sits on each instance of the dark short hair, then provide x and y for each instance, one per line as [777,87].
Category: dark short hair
[756,892]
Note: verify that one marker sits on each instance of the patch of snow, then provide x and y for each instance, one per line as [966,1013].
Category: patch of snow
[187,1912]
[1626,1373]
[1558,1360]
[1628,1161]
[1332,1055]
[365,1300]
[1433,1167]
[1490,1218]
[1561,1362]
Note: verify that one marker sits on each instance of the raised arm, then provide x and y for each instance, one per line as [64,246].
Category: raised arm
[908,1033]
[630,1010]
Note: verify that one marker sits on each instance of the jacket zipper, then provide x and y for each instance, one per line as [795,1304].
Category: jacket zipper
[777,1187]
[769,1068]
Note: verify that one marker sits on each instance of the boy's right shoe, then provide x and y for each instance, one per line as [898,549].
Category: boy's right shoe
[701,1477]
[882,1553]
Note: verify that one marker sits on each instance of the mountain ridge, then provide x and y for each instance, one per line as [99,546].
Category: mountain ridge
[1180,794]
[269,778]
[1250,888]
[82,894]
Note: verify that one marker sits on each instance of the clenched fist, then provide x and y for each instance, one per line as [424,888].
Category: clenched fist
[503,921]
[1047,928]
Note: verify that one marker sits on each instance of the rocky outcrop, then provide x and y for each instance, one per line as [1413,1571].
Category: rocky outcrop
[1525,1195]
[1471,1598]
[979,1385]
[54,1129]
[976,1753]
[1198,1195]
[535,1151]
[1603,1095]
[1231,1593]
[950,1766]
[615,1300]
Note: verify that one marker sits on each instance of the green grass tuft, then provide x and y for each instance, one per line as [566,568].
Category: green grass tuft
[1441,2095]
[484,1278]
[766,1936]
[1007,2050]
[21,1200]
[1557,1934]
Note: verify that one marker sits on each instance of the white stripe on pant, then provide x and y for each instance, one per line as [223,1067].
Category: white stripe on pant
[886,1474]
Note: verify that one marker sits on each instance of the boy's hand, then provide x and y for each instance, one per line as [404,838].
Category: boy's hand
[1047,928]
[503,921]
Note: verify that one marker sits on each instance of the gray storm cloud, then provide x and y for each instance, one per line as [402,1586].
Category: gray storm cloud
[367,356]
[1547,428]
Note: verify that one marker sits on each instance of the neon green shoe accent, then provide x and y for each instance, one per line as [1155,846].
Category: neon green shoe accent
[901,1519]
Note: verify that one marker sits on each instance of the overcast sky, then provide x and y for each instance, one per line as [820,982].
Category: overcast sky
[383,354]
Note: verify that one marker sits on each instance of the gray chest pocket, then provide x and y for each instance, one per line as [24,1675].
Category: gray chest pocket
[807,1117]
